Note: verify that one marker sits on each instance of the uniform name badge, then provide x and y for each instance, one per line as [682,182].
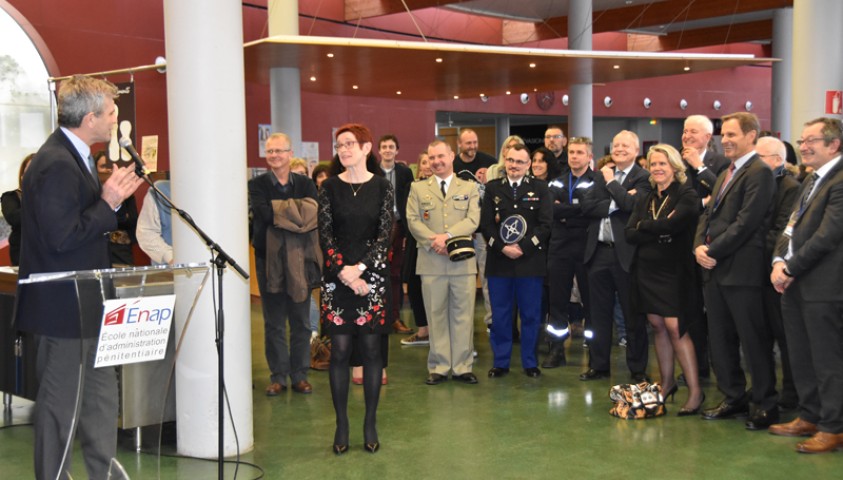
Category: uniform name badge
[513,229]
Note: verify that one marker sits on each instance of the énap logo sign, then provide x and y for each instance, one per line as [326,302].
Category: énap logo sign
[134,330]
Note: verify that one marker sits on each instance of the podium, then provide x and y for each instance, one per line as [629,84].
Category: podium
[146,388]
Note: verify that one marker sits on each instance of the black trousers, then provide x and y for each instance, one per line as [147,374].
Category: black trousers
[736,322]
[561,270]
[814,333]
[605,277]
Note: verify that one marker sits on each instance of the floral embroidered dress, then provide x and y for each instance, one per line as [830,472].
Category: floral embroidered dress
[355,221]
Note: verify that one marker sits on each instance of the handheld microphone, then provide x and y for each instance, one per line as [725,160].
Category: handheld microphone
[140,166]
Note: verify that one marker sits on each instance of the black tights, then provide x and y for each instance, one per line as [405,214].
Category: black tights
[369,348]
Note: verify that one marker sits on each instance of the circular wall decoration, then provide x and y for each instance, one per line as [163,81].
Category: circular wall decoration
[545,100]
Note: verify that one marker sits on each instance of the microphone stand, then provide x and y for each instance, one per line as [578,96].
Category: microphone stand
[220,259]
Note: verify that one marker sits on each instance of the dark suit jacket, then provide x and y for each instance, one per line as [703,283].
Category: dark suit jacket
[262,191]
[737,225]
[704,181]
[787,191]
[403,180]
[533,202]
[64,224]
[596,207]
[818,242]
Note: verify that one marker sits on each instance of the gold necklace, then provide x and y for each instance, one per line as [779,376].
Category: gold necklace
[355,190]
[653,207]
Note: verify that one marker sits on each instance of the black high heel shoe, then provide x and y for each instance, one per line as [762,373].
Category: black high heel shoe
[671,393]
[340,449]
[372,447]
[684,412]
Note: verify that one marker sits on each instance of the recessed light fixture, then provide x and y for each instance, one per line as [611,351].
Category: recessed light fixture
[508,92]
[439,60]
[532,65]
[398,92]
[456,97]
[535,90]
[355,87]
[616,67]
[687,68]
[330,55]
[312,79]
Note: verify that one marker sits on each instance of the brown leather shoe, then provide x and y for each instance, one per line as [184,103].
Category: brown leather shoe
[302,387]
[821,442]
[399,327]
[796,428]
[275,389]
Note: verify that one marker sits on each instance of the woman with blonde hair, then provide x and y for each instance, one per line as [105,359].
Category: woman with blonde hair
[664,277]
[499,169]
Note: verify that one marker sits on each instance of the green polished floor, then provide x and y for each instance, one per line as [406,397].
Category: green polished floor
[511,428]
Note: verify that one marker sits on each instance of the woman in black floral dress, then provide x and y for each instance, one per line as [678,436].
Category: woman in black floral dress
[355,220]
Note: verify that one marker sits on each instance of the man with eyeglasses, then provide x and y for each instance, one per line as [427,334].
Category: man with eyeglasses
[280,185]
[567,246]
[772,152]
[555,141]
[608,256]
[806,269]
[729,246]
[400,176]
[516,220]
[704,165]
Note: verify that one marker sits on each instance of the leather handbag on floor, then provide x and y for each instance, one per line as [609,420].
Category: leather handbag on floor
[320,353]
[637,401]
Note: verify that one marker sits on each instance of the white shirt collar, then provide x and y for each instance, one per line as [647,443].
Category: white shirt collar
[823,171]
[82,148]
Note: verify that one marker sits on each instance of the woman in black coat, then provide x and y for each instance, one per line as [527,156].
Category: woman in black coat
[663,272]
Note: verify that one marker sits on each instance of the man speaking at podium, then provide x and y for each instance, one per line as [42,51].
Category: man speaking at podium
[66,215]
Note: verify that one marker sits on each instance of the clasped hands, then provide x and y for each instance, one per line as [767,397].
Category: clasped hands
[778,278]
[350,277]
[438,243]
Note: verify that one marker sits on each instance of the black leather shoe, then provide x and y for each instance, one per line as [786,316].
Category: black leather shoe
[762,419]
[593,374]
[435,379]
[725,410]
[532,372]
[556,357]
[468,378]
[498,372]
[640,377]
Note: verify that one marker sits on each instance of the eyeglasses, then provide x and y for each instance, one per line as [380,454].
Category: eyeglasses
[278,151]
[808,141]
[517,162]
[346,145]
[558,136]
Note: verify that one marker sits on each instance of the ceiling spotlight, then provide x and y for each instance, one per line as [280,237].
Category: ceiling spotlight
[312,79]
[532,65]
[398,92]
[687,68]
[355,87]
[439,60]
[456,97]
[508,92]
[616,67]
[330,55]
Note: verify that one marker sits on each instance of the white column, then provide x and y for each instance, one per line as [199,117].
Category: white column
[782,71]
[581,120]
[207,117]
[285,83]
[817,66]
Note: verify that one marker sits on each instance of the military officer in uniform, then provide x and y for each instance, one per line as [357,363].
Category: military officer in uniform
[515,220]
[440,208]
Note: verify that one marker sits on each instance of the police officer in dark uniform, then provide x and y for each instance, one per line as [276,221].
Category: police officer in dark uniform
[567,246]
[515,220]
